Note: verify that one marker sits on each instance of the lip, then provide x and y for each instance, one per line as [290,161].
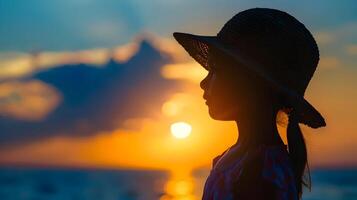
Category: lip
[205,96]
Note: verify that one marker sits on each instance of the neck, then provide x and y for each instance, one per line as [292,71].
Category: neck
[258,128]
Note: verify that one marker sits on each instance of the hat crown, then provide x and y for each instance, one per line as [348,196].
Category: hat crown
[282,45]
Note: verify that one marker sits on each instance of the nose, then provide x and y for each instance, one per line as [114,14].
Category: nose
[203,83]
[206,83]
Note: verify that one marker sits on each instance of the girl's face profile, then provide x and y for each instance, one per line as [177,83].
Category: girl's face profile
[228,89]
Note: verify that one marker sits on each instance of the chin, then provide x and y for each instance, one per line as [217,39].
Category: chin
[218,115]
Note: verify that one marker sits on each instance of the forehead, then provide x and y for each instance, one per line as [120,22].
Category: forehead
[219,60]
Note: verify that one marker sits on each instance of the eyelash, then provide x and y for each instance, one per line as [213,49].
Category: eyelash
[211,73]
[214,70]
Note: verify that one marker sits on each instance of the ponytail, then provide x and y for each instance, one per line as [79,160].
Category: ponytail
[297,152]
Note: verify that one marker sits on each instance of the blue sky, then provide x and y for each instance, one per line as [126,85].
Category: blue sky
[81,24]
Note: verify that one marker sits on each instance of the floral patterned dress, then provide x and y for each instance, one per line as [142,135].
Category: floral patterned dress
[267,174]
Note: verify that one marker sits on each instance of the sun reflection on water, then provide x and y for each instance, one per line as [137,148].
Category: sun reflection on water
[179,187]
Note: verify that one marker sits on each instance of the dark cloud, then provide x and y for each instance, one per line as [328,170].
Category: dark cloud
[98,99]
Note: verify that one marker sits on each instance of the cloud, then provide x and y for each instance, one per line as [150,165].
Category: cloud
[330,62]
[18,65]
[30,101]
[352,49]
[97,98]
[15,65]
[191,71]
[323,38]
[337,45]
[341,34]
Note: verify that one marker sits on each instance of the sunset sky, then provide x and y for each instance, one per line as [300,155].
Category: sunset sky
[93,83]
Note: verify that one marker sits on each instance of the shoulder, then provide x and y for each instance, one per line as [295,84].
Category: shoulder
[266,169]
[215,159]
[274,165]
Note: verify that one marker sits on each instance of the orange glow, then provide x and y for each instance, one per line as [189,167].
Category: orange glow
[149,146]
[171,108]
[148,143]
[186,71]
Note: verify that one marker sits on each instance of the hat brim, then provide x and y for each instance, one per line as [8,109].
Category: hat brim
[198,47]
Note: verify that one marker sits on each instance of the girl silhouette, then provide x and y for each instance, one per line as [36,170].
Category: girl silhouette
[259,65]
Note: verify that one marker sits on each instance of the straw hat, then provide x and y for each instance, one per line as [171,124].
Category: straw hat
[272,44]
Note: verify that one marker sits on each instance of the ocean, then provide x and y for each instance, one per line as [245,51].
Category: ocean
[79,184]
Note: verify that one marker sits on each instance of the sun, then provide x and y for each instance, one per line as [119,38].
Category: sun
[181,130]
